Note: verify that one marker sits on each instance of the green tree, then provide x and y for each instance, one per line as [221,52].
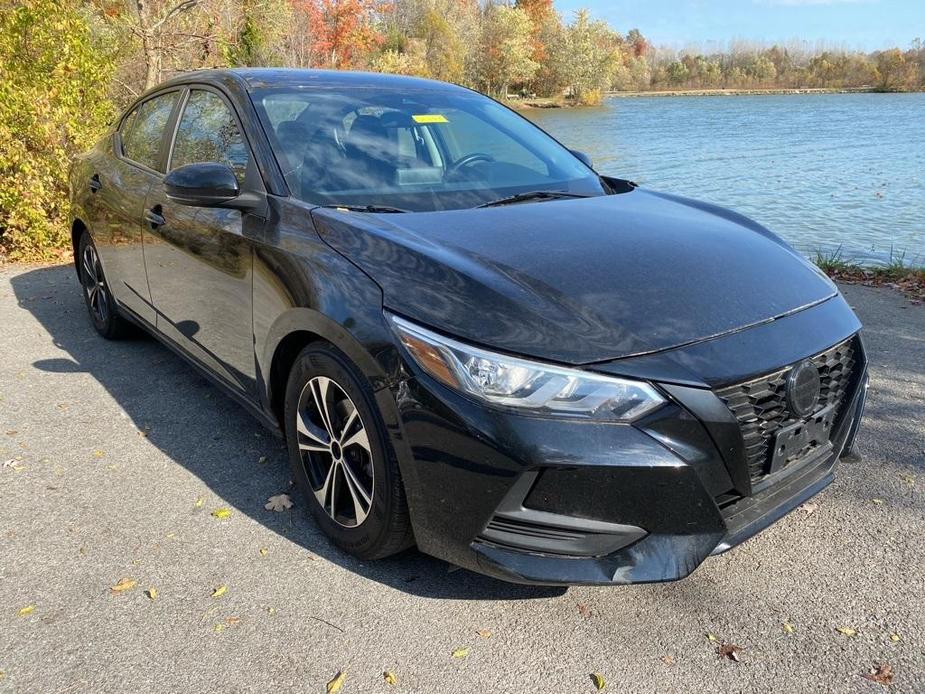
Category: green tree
[54,82]
[505,50]
[592,57]
[259,34]
[677,73]
[444,52]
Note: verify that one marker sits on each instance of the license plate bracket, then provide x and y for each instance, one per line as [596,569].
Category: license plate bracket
[802,438]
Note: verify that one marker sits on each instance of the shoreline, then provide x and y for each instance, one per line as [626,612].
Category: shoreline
[552,102]
[908,280]
[735,91]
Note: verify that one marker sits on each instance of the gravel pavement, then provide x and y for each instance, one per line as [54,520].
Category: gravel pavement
[115,455]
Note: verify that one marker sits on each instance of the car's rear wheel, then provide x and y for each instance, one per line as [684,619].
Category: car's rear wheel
[103,311]
[341,458]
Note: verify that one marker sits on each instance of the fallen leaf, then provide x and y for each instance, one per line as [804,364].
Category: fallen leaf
[231,621]
[788,628]
[151,593]
[881,674]
[809,508]
[26,611]
[222,512]
[894,637]
[218,628]
[199,502]
[598,680]
[278,503]
[484,633]
[847,631]
[907,479]
[264,551]
[667,659]
[461,653]
[730,650]
[877,501]
[712,637]
[271,610]
[98,454]
[338,682]
[220,591]
[171,536]
[123,585]
[389,677]
[583,610]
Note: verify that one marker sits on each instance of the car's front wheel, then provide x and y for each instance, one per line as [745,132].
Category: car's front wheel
[103,312]
[341,458]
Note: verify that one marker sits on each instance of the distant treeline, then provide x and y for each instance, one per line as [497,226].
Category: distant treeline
[498,47]
[67,66]
[749,66]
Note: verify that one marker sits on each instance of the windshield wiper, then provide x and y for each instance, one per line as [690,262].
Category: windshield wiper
[366,208]
[532,195]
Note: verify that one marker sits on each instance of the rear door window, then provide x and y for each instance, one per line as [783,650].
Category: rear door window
[143,130]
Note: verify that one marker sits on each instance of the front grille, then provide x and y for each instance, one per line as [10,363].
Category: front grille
[760,405]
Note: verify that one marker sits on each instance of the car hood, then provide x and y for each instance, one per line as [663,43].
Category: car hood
[579,281]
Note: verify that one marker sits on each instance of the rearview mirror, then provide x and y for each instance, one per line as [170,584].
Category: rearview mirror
[586,160]
[202,185]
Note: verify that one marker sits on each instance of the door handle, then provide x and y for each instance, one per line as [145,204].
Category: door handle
[95,183]
[154,218]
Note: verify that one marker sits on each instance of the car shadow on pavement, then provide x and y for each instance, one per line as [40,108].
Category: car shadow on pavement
[210,435]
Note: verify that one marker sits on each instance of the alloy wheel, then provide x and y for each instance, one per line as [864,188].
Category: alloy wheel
[95,284]
[335,451]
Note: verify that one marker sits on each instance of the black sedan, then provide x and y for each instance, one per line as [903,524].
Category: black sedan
[470,340]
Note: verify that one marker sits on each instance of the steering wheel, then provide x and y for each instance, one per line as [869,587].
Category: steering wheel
[468,160]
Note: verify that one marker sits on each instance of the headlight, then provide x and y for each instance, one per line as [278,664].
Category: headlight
[507,381]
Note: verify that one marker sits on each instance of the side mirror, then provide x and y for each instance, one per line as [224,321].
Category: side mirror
[202,185]
[585,159]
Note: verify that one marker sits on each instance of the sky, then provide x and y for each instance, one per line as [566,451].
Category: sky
[854,24]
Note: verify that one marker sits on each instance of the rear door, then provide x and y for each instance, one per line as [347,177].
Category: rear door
[199,260]
[119,184]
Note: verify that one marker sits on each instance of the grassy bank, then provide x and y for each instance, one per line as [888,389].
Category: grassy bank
[896,274]
[547,102]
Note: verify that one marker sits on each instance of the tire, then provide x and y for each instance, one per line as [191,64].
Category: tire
[354,491]
[104,314]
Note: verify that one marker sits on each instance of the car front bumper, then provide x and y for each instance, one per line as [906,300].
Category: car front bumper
[551,501]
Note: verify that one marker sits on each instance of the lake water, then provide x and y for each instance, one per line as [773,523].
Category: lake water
[820,170]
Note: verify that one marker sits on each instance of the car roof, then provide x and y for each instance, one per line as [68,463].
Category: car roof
[256,78]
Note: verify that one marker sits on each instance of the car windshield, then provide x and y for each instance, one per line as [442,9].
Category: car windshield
[412,150]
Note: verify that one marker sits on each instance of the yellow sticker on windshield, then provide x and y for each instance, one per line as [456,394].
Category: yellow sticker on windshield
[430,118]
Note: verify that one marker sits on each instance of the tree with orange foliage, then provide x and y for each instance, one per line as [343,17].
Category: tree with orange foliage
[343,31]
[540,12]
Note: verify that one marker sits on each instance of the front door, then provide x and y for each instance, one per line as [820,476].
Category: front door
[199,261]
